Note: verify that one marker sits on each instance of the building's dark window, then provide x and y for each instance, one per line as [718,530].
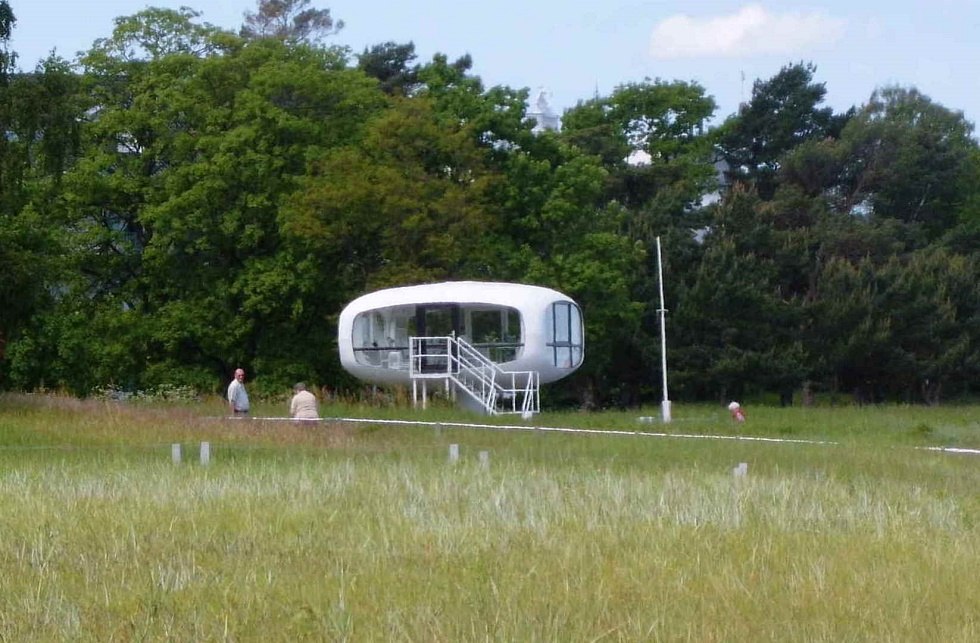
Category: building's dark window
[496,332]
[566,334]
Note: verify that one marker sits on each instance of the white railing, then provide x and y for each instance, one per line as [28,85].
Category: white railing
[456,361]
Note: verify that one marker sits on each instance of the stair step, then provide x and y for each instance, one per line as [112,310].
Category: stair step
[481,379]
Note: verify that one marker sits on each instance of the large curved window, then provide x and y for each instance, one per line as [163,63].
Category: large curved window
[566,334]
[380,337]
[495,332]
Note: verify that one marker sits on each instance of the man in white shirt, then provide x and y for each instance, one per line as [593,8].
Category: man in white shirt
[303,406]
[237,395]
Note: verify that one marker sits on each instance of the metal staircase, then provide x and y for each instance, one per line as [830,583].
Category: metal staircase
[468,373]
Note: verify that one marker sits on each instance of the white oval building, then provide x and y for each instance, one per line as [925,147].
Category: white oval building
[399,335]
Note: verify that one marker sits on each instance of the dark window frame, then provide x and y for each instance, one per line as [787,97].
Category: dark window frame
[570,345]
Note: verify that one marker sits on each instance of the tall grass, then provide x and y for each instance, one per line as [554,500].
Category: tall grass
[333,532]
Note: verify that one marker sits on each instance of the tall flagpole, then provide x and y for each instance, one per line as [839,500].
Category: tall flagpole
[665,405]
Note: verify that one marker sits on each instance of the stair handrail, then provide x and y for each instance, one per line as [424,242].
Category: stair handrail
[463,359]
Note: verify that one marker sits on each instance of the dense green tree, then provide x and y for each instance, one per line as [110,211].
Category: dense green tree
[391,64]
[558,232]
[931,303]
[292,20]
[218,252]
[901,157]
[41,111]
[91,336]
[589,127]
[39,114]
[174,203]
[850,340]
[404,203]
[649,137]
[908,159]
[910,326]
[495,117]
[782,114]
[600,268]
[192,200]
[735,332]
[7,22]
[10,262]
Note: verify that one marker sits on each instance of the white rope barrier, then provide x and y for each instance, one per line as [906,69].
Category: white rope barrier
[500,427]
[618,432]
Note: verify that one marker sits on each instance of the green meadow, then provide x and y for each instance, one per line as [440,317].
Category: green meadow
[851,530]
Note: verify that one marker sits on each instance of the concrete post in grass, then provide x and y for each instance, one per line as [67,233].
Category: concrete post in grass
[484,457]
[205,453]
[175,453]
[453,453]
[741,470]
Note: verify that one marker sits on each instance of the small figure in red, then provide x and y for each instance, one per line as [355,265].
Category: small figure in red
[737,413]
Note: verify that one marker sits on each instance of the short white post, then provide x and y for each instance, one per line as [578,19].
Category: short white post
[741,470]
[175,453]
[205,453]
[453,452]
[484,457]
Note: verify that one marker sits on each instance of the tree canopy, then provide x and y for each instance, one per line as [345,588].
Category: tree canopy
[183,200]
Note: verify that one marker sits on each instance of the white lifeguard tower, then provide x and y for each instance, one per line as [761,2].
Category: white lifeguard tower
[489,344]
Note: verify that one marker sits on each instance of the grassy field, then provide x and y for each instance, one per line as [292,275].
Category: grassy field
[367,532]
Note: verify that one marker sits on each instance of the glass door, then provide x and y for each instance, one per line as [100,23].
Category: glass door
[437,320]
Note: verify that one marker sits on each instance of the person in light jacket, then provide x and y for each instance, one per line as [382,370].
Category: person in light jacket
[303,406]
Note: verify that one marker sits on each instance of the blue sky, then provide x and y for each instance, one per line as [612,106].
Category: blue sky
[575,48]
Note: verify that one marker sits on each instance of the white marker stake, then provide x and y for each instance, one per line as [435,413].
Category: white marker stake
[665,412]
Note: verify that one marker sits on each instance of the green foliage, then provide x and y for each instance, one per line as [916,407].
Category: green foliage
[153,34]
[165,393]
[648,135]
[39,116]
[406,203]
[782,114]
[391,64]
[658,165]
[292,20]
[910,159]
[7,22]
[188,200]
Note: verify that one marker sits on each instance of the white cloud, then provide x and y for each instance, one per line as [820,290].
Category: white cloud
[750,31]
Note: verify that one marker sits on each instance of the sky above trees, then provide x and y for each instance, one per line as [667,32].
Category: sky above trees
[575,49]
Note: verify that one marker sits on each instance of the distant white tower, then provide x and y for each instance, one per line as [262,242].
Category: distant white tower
[541,112]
